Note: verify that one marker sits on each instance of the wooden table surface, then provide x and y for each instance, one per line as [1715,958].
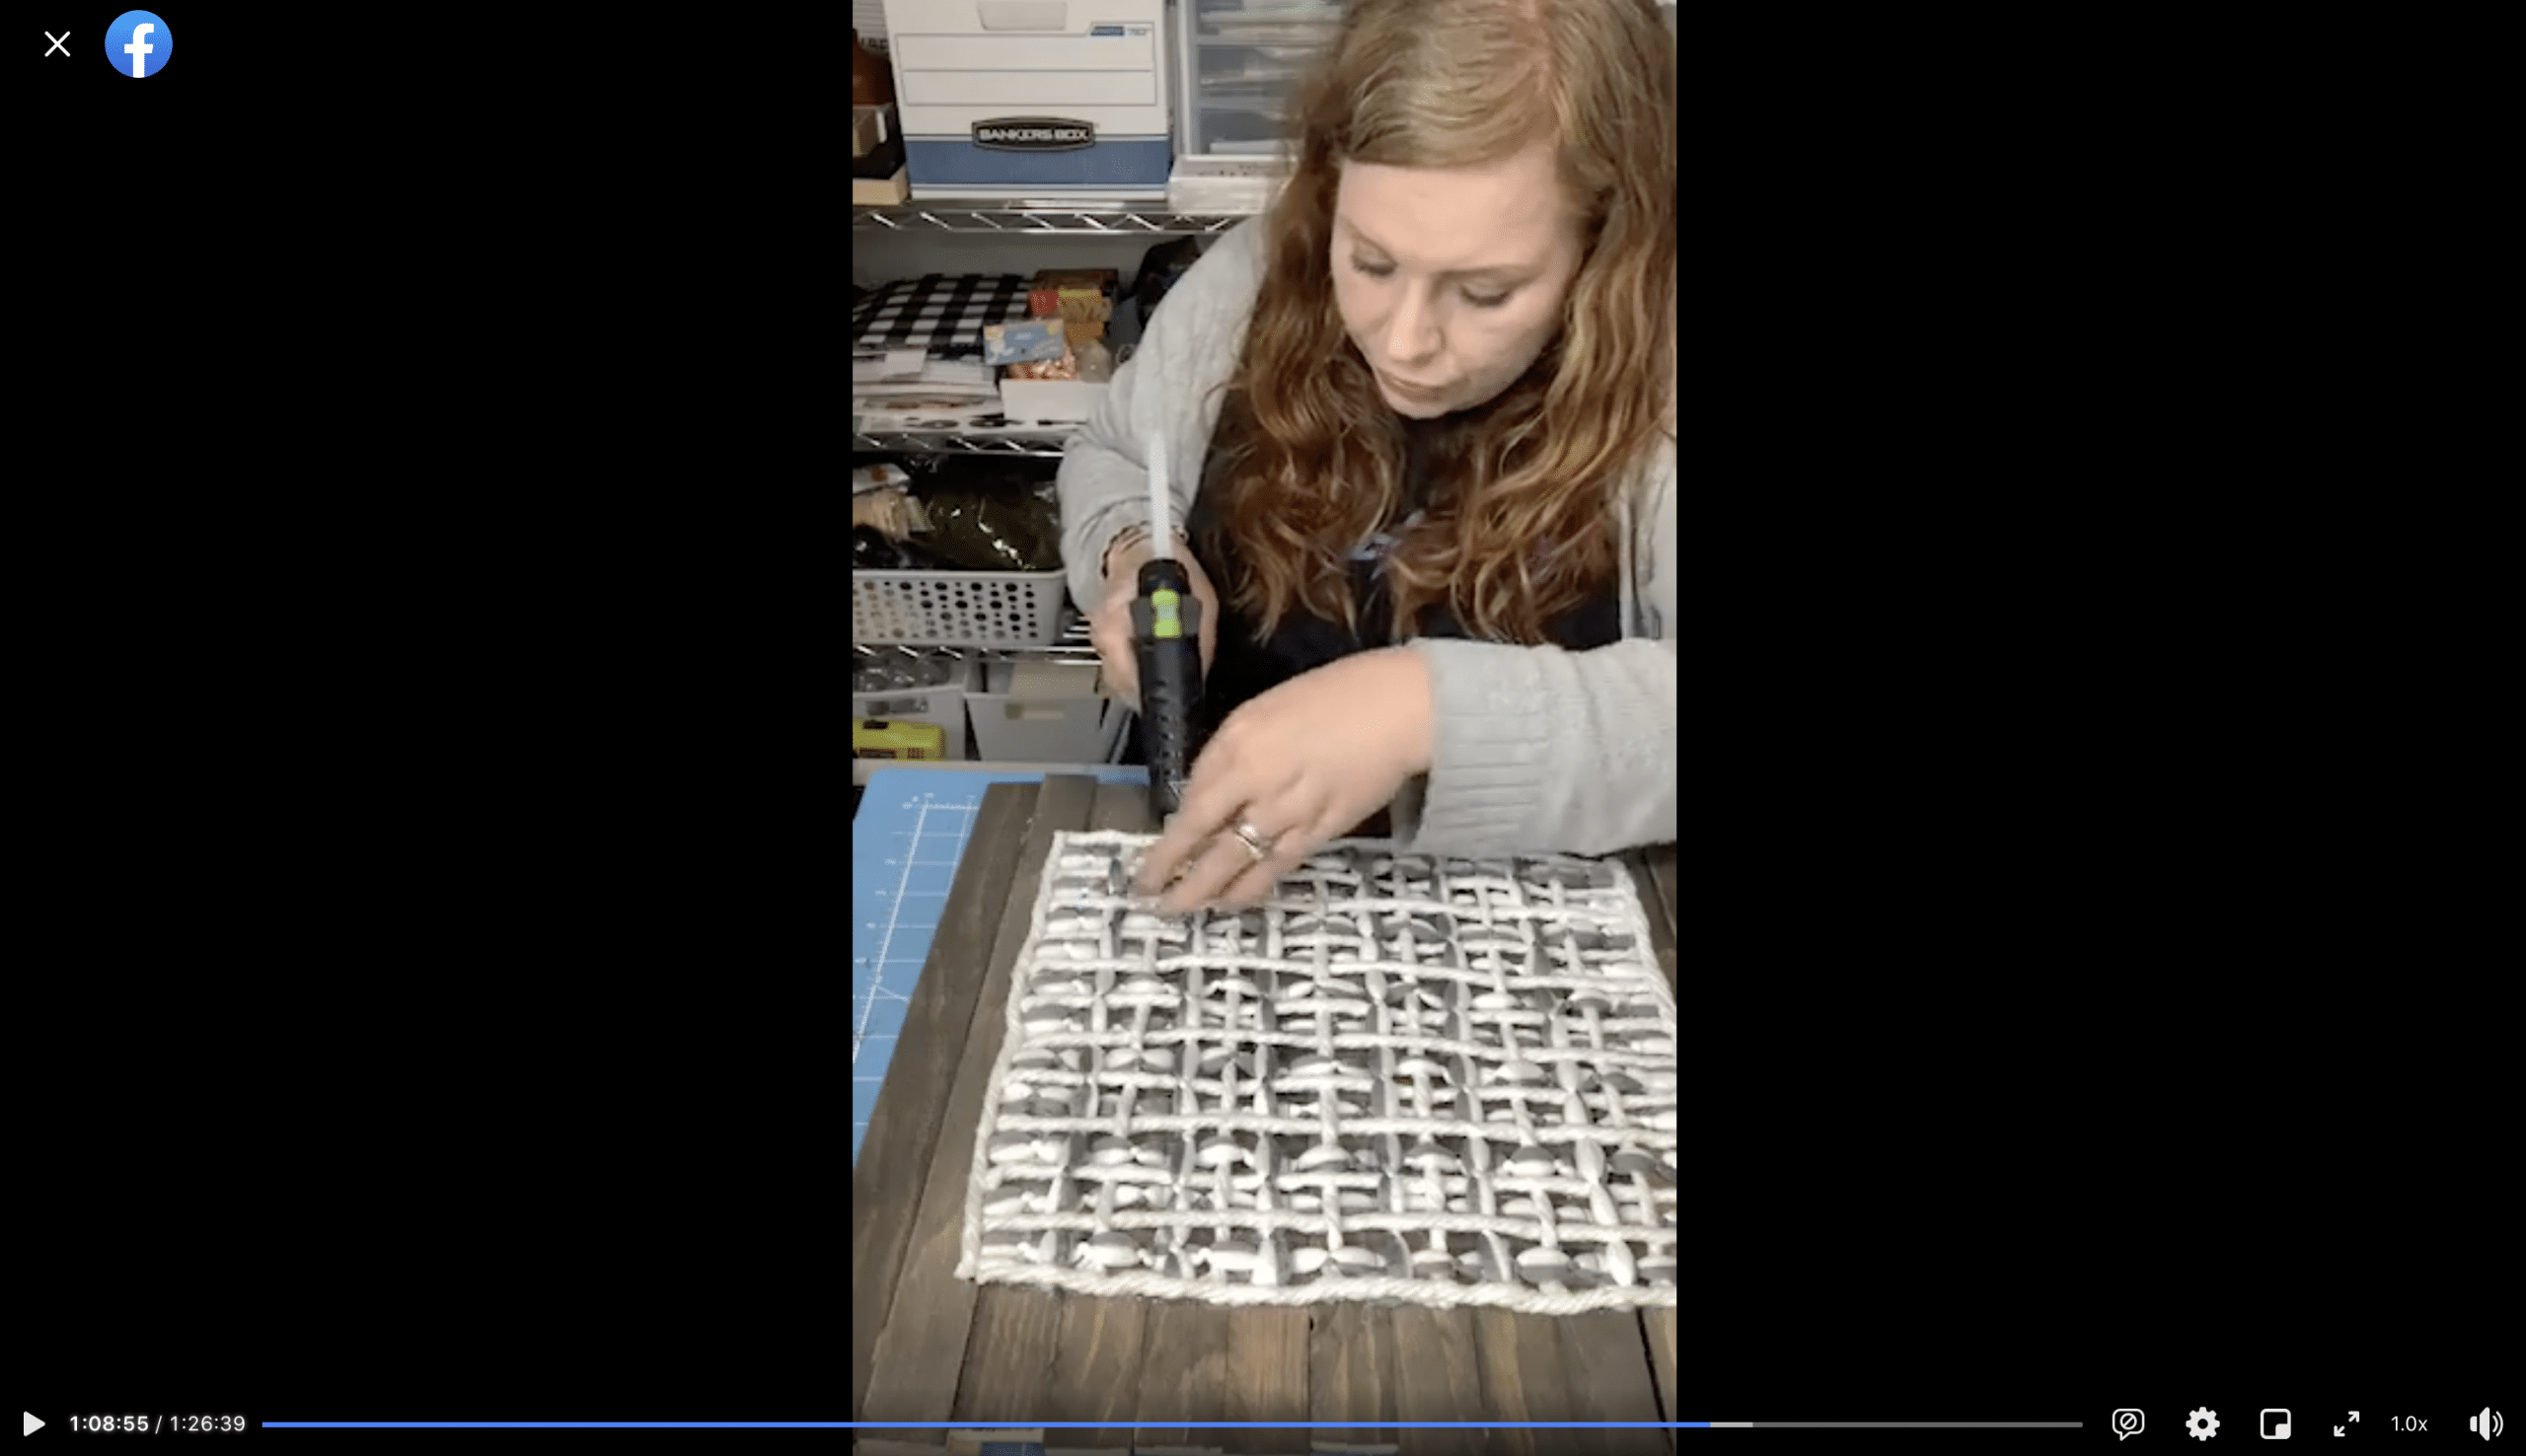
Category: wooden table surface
[929,1346]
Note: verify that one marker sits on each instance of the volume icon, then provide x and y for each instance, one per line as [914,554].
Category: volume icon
[2486,1424]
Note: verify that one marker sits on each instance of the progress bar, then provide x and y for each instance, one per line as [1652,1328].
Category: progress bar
[1196,1425]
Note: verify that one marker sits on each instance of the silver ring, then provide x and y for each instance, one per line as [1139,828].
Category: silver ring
[1252,837]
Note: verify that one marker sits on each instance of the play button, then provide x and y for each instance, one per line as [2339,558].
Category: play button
[32,1425]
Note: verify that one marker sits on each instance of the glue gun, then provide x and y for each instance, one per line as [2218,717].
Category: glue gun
[1166,633]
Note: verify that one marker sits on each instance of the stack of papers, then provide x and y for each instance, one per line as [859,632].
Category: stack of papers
[915,352]
[907,389]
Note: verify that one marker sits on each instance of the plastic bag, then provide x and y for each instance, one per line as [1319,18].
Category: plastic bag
[887,672]
[983,528]
[887,511]
[871,550]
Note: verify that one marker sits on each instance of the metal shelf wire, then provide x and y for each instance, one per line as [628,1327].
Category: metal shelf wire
[1076,220]
[1043,444]
[1074,646]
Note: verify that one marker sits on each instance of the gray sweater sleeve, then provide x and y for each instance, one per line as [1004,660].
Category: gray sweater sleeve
[1169,391]
[1536,749]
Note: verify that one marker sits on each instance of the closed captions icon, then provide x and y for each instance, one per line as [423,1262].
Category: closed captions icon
[2128,1424]
[138,44]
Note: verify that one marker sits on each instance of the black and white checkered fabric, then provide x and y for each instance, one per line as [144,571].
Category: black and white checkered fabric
[941,313]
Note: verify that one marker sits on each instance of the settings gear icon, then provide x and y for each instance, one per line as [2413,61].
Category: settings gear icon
[2202,1424]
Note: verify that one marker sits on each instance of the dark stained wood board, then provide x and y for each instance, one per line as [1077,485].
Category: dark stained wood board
[1095,1369]
[1610,1379]
[1017,1357]
[1658,1326]
[1147,1370]
[1666,921]
[1269,1372]
[1350,1375]
[903,1130]
[1438,1375]
[1652,874]
[1007,1371]
[1661,859]
[1520,1359]
[919,1355]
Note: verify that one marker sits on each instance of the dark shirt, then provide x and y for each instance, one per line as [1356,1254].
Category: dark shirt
[1247,664]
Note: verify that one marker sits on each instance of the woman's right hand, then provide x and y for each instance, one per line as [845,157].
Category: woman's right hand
[1109,626]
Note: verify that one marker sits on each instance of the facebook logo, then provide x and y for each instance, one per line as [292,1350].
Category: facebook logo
[137,43]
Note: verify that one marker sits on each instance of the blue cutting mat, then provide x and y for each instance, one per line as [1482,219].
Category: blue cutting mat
[906,841]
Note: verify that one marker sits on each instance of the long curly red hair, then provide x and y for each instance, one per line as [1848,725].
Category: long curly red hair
[1313,460]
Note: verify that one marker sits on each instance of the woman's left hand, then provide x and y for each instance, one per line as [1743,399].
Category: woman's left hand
[1296,765]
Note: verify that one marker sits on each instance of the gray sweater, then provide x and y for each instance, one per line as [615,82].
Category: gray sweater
[1537,749]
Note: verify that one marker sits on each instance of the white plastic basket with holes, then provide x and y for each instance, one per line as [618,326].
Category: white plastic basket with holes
[958,609]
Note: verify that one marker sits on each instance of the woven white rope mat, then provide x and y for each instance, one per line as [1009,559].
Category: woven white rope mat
[1403,1079]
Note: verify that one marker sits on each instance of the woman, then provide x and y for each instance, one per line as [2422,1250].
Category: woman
[1420,422]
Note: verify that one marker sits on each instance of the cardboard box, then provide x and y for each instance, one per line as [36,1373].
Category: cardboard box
[891,192]
[1032,99]
[869,129]
[1082,298]
[1084,282]
[1050,400]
